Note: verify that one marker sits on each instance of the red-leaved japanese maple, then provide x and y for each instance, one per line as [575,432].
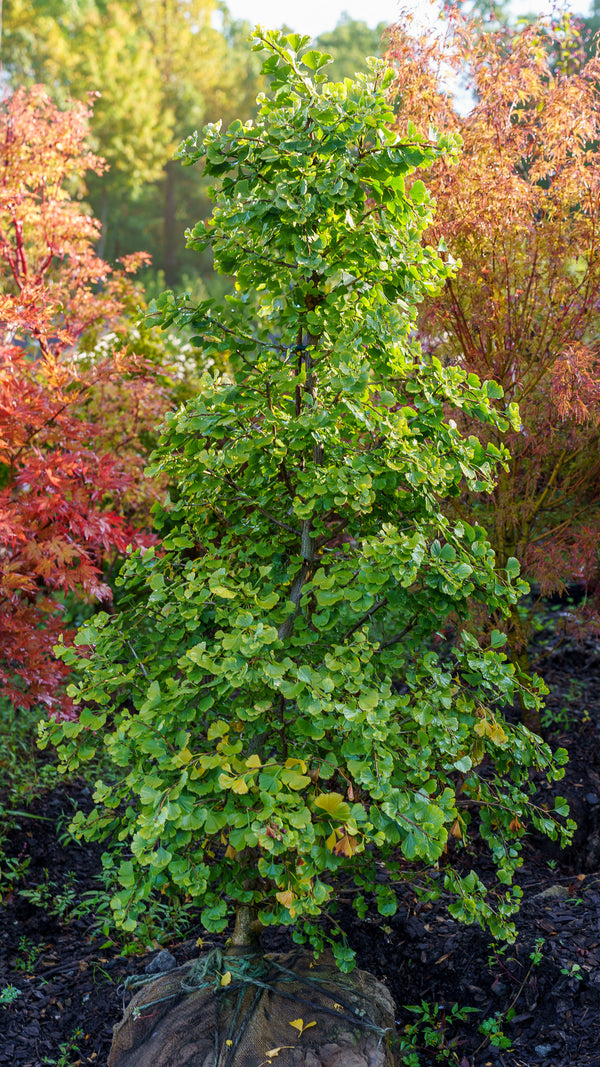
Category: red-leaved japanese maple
[68,499]
[521,211]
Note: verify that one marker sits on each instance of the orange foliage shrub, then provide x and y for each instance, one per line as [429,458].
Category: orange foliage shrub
[70,498]
[521,212]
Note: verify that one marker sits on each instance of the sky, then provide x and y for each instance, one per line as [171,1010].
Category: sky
[318,16]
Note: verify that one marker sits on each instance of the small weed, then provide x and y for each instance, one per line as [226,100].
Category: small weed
[67,1050]
[431,1032]
[8,995]
[98,970]
[557,719]
[68,904]
[406,1054]
[576,690]
[537,955]
[64,836]
[39,895]
[27,955]
[492,1029]
[54,899]
[499,955]
[12,870]
[562,719]
[573,970]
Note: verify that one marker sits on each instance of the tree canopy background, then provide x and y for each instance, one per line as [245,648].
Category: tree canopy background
[160,70]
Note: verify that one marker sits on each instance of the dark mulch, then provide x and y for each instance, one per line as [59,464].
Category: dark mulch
[70,980]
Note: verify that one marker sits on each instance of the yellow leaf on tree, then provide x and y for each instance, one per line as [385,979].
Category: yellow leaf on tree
[286,897]
[492,729]
[334,804]
[230,853]
[225,780]
[331,840]
[240,786]
[253,761]
[223,591]
[291,762]
[346,846]
[496,733]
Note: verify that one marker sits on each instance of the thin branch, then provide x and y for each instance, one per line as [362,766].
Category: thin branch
[368,615]
[144,671]
[277,522]
[252,340]
[286,478]
[397,637]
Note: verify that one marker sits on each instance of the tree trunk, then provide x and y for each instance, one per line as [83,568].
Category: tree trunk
[247,929]
[103,224]
[170,235]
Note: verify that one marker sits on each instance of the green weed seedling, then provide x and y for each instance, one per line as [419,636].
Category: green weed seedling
[61,901]
[68,1050]
[498,955]
[8,995]
[537,955]
[41,896]
[406,1054]
[562,719]
[573,970]
[12,869]
[27,955]
[492,1029]
[431,1031]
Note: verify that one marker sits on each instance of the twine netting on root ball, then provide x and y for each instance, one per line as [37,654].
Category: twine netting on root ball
[224,1010]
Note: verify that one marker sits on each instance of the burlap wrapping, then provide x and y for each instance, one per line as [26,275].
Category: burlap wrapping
[187,1019]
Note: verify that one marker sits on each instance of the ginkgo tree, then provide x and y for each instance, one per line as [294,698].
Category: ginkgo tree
[269,695]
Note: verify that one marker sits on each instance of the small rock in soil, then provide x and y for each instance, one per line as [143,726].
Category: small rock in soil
[162,963]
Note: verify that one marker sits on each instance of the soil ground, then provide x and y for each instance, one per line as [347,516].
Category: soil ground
[539,998]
